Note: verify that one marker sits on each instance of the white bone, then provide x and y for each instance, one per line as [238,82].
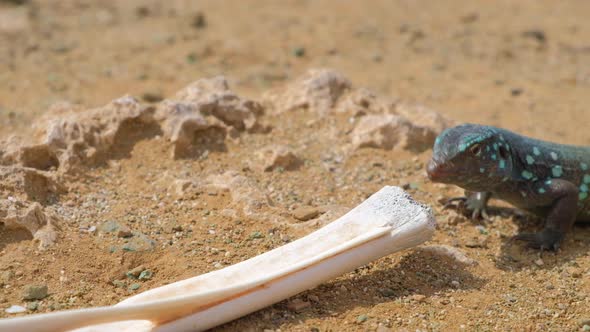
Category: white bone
[386,222]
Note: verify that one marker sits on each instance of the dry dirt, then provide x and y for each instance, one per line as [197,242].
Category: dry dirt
[522,65]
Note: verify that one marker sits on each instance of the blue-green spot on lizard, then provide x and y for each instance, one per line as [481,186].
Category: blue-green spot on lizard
[548,179]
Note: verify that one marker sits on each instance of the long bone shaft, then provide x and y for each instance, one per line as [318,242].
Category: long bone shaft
[386,222]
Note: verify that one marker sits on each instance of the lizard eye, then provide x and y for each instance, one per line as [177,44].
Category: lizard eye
[475,149]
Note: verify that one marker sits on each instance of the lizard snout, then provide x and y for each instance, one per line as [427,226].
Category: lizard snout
[434,170]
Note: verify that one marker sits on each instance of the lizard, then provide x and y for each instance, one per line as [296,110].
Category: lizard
[548,179]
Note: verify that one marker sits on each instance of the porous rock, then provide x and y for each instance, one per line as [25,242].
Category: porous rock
[184,125]
[388,123]
[246,196]
[388,131]
[424,117]
[200,116]
[40,222]
[213,97]
[277,156]
[317,90]
[25,190]
[29,184]
[243,191]
[363,101]
[65,137]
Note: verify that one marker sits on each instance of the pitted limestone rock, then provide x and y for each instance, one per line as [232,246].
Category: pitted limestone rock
[318,90]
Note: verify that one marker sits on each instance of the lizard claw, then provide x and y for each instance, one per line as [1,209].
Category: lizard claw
[545,240]
[451,202]
[477,208]
[480,213]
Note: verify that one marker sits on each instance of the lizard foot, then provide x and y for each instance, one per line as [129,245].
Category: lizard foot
[547,239]
[470,204]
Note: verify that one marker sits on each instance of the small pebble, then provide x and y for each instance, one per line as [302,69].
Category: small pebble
[34,292]
[516,92]
[362,318]
[134,287]
[383,328]
[313,298]
[119,283]
[146,275]
[32,306]
[15,309]
[299,52]
[135,272]
[418,298]
[387,292]
[110,226]
[256,235]
[152,97]
[124,233]
[199,21]
[298,305]
[305,213]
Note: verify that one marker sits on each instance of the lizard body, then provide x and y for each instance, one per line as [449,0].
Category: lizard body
[548,179]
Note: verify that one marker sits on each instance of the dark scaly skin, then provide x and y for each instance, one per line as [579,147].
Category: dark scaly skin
[548,179]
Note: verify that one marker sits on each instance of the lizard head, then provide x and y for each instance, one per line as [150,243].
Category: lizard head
[471,156]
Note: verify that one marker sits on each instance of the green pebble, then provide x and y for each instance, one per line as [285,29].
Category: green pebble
[146,275]
[134,287]
[256,235]
[34,292]
[536,151]
[586,178]
[191,58]
[584,188]
[529,159]
[119,283]
[584,166]
[299,52]
[32,306]
[362,318]
[502,164]
[553,155]
[527,175]
[582,196]
[541,190]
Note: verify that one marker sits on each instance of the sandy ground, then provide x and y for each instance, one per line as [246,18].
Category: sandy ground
[521,65]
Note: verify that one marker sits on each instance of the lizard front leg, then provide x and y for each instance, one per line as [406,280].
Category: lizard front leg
[474,202]
[561,198]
